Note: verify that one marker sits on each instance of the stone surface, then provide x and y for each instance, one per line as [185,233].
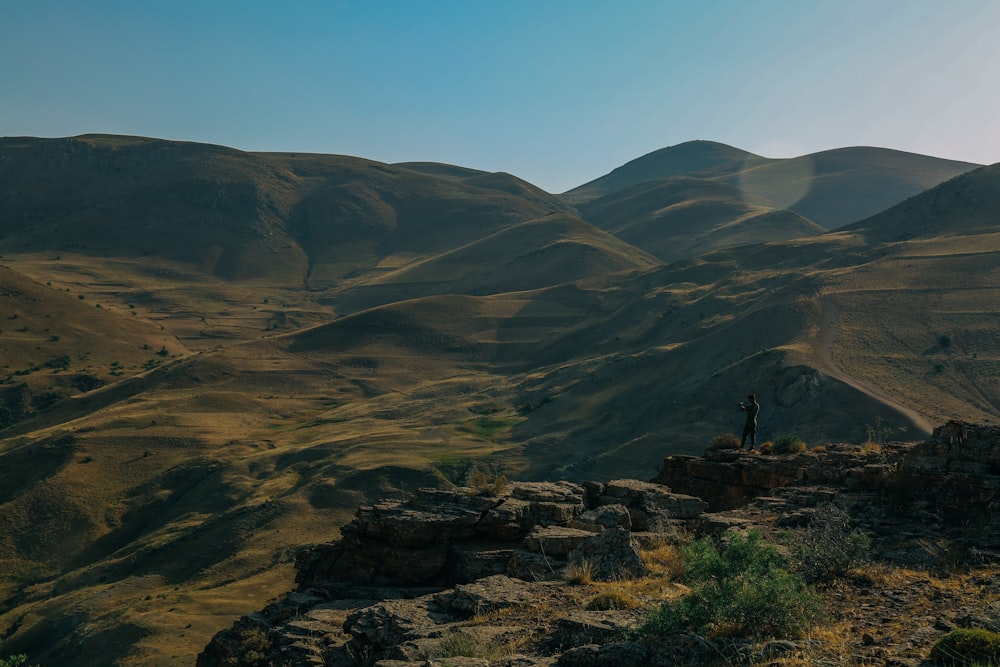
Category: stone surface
[609,556]
[408,575]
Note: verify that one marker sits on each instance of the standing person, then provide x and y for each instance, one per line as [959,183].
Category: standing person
[752,407]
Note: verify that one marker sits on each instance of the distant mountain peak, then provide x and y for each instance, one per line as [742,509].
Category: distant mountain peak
[682,159]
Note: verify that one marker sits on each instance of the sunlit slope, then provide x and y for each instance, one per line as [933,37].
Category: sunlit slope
[681,217]
[545,252]
[55,344]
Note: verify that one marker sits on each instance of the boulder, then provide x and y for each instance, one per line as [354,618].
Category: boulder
[609,556]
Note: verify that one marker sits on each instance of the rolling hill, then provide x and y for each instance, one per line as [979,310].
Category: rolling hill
[681,217]
[831,188]
[339,330]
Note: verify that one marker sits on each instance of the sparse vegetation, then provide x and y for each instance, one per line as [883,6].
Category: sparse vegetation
[579,574]
[611,600]
[489,482]
[967,647]
[253,649]
[18,660]
[344,416]
[460,644]
[788,443]
[878,433]
[490,427]
[828,546]
[725,441]
[742,588]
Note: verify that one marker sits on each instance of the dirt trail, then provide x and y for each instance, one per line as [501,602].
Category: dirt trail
[829,316]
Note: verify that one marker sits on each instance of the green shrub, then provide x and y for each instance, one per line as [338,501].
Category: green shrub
[14,660]
[827,547]
[967,647]
[788,444]
[742,589]
[725,441]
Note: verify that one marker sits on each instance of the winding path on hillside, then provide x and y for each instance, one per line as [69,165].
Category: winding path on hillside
[828,319]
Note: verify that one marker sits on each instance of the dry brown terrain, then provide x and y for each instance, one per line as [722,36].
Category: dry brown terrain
[201,378]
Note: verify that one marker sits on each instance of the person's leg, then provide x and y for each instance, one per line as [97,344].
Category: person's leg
[753,438]
[746,432]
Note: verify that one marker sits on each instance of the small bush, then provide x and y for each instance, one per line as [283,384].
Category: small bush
[967,647]
[611,600]
[828,547]
[579,574]
[788,444]
[14,660]
[767,447]
[663,560]
[725,441]
[819,449]
[487,482]
[743,589]
[462,645]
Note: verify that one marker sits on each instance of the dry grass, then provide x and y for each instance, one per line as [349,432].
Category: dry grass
[578,574]
[334,417]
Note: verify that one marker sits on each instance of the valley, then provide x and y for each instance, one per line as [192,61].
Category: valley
[210,358]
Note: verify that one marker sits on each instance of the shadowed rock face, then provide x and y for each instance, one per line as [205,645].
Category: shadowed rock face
[443,537]
[957,471]
[407,577]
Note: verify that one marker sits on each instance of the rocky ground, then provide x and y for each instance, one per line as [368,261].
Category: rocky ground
[557,573]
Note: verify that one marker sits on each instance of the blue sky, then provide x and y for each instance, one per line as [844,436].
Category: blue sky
[557,92]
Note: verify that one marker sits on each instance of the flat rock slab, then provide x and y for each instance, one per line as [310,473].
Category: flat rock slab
[556,540]
[492,593]
[594,627]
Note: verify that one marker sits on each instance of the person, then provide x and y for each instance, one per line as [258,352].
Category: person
[751,407]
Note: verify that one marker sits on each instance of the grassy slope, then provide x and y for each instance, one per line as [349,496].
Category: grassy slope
[838,187]
[832,188]
[176,496]
[680,217]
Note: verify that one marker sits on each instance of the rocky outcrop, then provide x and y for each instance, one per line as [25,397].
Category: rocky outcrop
[951,480]
[444,555]
[449,572]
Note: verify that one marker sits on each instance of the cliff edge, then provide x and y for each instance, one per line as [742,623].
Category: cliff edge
[527,573]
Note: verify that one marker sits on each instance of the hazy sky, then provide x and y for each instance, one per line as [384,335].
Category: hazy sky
[557,92]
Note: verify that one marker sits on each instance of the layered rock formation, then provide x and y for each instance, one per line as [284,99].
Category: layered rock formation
[449,572]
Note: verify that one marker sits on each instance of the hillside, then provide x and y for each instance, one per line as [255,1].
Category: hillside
[825,557]
[681,217]
[831,188]
[413,322]
[285,219]
[837,187]
[688,159]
